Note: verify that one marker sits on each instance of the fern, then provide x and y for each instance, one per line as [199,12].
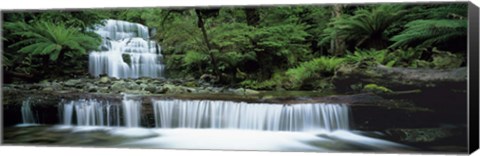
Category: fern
[322,65]
[44,38]
[378,57]
[431,32]
[366,26]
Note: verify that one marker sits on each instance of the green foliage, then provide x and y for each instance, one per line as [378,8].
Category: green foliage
[429,33]
[54,40]
[376,88]
[447,60]
[405,57]
[35,40]
[375,56]
[323,66]
[442,26]
[259,48]
[366,28]
[192,58]
[282,42]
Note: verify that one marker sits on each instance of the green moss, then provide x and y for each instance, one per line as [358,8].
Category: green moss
[447,60]
[376,88]
[191,84]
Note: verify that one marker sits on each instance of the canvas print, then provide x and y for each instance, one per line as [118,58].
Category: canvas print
[386,77]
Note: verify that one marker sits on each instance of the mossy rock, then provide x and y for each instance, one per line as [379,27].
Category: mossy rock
[376,88]
[420,134]
[191,84]
[104,79]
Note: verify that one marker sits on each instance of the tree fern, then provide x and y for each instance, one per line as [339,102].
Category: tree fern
[366,27]
[426,33]
[54,40]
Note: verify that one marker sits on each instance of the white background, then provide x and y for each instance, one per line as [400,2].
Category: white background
[80,151]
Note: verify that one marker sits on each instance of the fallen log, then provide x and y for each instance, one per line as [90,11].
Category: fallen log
[398,79]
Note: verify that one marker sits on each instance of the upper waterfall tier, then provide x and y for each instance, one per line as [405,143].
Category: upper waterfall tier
[117,30]
[126,52]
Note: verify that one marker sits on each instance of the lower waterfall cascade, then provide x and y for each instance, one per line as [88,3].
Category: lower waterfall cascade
[182,124]
[208,114]
[94,112]
[254,116]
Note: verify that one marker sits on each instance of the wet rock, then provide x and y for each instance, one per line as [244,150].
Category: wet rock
[170,88]
[150,88]
[142,81]
[104,79]
[47,89]
[243,91]
[251,92]
[208,78]
[118,86]
[141,92]
[91,88]
[103,90]
[160,90]
[73,83]
[133,86]
[191,84]
[420,135]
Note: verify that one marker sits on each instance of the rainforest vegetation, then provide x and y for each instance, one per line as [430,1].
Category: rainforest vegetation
[263,48]
[399,68]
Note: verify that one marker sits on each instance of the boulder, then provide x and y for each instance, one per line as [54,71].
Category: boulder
[118,86]
[73,83]
[243,91]
[251,92]
[104,79]
[47,89]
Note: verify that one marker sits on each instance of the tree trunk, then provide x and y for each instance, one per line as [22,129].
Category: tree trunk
[337,44]
[201,25]
[252,16]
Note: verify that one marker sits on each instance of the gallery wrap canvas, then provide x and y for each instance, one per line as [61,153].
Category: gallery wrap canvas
[358,78]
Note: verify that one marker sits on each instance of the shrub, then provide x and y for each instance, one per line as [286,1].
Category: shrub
[375,56]
[324,66]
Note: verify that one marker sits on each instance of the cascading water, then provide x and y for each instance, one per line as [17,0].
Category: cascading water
[101,113]
[255,116]
[131,110]
[126,52]
[27,115]
[212,124]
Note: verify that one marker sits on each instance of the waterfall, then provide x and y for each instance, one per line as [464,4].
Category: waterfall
[211,114]
[255,116]
[27,115]
[92,112]
[131,109]
[126,52]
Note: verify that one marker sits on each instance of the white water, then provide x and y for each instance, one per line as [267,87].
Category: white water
[93,112]
[131,111]
[130,39]
[232,139]
[27,115]
[254,116]
[226,125]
